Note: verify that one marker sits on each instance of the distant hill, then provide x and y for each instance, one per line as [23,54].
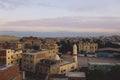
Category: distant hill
[55,34]
[8,38]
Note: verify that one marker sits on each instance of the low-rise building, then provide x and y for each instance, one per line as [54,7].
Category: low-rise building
[55,67]
[9,72]
[31,40]
[101,66]
[8,56]
[88,49]
[11,45]
[68,76]
[29,60]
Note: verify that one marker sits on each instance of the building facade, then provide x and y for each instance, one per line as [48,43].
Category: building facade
[8,56]
[57,65]
[9,72]
[30,60]
[87,49]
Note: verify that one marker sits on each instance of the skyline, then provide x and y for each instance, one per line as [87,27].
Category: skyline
[56,16]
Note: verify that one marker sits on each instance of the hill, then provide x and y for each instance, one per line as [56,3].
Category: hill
[8,38]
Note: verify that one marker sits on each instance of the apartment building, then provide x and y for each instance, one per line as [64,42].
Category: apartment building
[8,56]
[30,60]
[88,47]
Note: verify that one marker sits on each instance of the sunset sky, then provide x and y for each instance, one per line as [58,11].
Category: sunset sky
[60,15]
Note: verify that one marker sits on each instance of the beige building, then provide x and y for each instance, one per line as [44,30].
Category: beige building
[30,60]
[8,56]
[88,47]
[48,46]
[57,65]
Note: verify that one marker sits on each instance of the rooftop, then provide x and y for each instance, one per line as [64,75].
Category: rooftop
[75,74]
[63,63]
[110,49]
[95,63]
[35,53]
[5,67]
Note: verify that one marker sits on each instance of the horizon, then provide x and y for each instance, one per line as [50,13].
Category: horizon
[70,16]
[54,34]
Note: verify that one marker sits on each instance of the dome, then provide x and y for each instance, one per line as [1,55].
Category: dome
[57,57]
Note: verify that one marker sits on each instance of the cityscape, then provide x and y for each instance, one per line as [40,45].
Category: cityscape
[59,40]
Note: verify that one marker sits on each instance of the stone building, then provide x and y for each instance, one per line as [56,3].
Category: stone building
[9,72]
[88,47]
[57,65]
[8,56]
[31,42]
[49,44]
[29,60]
[11,45]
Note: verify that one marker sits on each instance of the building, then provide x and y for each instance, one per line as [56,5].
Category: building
[101,66]
[68,76]
[31,42]
[87,48]
[49,44]
[29,60]
[8,56]
[11,45]
[57,65]
[9,72]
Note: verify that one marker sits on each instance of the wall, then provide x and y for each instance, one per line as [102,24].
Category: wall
[10,73]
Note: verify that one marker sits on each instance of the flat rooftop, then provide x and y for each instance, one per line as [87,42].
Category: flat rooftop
[75,74]
[63,63]
[2,68]
[101,63]
[83,61]
[110,49]
[35,53]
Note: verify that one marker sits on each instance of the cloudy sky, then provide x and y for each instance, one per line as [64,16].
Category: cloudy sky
[60,15]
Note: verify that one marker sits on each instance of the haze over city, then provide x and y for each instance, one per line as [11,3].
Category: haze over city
[57,16]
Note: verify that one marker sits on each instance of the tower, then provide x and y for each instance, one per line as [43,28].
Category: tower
[75,53]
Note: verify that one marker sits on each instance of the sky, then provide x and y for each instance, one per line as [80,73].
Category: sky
[60,15]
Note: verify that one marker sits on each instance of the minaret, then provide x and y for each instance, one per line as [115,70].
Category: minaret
[75,53]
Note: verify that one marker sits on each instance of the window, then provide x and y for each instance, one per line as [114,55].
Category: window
[11,56]
[72,67]
[11,62]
